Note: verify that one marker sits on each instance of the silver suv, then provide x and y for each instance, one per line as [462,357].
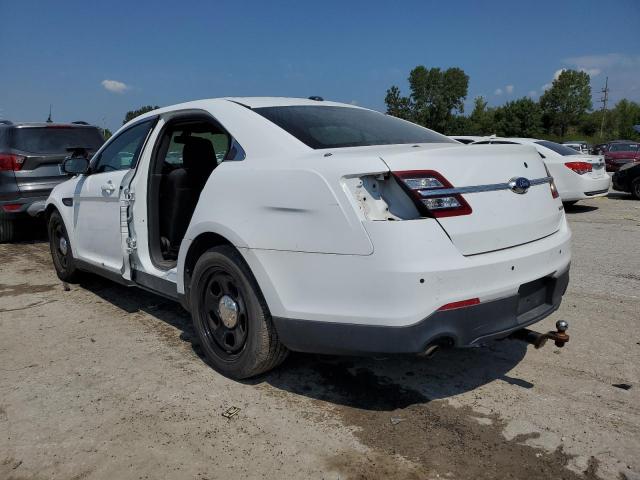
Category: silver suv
[30,157]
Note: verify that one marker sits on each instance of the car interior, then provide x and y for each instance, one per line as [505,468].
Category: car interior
[185,156]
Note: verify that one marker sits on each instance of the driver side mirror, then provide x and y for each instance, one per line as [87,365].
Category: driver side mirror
[75,165]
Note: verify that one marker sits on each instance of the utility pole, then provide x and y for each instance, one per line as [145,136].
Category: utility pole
[604,99]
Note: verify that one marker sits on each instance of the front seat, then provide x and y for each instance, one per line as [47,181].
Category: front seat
[181,191]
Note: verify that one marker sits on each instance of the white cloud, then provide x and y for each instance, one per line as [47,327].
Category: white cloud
[622,69]
[557,74]
[115,86]
[509,89]
[498,91]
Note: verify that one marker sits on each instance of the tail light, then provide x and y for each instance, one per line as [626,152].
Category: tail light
[552,184]
[461,304]
[11,162]
[579,167]
[423,187]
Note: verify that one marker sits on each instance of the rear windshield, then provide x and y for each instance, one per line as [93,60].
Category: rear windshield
[556,147]
[337,127]
[623,147]
[55,139]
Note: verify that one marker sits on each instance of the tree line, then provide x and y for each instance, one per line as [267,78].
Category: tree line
[564,111]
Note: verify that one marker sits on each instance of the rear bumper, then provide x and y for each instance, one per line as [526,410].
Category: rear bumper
[23,207]
[462,327]
[579,187]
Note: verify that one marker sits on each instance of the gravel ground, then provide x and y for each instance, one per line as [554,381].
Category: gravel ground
[104,382]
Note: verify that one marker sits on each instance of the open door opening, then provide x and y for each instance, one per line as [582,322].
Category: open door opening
[188,152]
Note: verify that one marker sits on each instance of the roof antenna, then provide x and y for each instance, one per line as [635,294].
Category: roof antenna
[49,119]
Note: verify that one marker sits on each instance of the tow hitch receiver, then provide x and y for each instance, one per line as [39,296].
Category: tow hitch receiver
[559,337]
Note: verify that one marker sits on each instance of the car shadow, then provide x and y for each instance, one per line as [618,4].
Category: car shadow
[578,208]
[30,230]
[382,383]
[620,196]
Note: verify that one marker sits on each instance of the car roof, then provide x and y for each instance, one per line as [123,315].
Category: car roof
[258,102]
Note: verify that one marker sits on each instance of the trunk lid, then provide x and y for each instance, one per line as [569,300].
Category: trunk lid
[596,161]
[500,218]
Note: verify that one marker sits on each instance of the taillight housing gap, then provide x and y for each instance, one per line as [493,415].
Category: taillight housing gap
[416,183]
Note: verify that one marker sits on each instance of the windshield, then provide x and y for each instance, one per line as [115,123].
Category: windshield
[337,127]
[623,147]
[56,139]
[556,147]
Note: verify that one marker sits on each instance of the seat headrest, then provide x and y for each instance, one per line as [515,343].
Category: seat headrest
[198,155]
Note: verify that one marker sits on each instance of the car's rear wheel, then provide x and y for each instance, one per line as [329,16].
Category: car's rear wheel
[635,188]
[61,249]
[231,317]
[7,230]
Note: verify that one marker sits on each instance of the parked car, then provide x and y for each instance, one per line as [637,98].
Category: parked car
[325,228]
[466,139]
[627,179]
[621,152]
[578,145]
[30,157]
[577,176]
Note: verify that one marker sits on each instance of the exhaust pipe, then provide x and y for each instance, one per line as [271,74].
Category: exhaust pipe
[538,340]
[431,350]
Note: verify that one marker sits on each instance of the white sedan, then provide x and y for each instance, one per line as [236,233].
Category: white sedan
[293,224]
[577,175]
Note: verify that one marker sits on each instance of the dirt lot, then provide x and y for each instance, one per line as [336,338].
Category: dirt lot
[104,382]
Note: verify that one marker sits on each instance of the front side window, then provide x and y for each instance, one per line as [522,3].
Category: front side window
[338,127]
[123,151]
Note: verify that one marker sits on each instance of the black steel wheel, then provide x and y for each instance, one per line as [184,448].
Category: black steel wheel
[61,249]
[230,316]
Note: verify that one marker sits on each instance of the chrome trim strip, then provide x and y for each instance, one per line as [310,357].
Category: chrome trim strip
[439,192]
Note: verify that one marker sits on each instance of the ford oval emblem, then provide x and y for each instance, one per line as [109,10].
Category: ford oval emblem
[519,185]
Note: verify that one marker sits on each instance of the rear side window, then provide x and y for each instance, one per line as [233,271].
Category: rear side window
[55,140]
[559,149]
[337,127]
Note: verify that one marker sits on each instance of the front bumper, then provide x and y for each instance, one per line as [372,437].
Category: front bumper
[462,327]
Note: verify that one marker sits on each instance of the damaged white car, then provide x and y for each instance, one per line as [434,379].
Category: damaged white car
[307,225]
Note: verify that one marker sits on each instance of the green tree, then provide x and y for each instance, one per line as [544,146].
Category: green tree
[397,105]
[519,118]
[107,133]
[131,114]
[435,96]
[481,118]
[567,101]
[623,117]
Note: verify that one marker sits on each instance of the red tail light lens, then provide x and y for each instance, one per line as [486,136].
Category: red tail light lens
[579,167]
[423,185]
[461,304]
[11,162]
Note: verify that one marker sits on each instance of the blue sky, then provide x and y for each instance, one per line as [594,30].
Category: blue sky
[96,60]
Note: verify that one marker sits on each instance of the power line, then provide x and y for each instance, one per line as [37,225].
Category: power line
[604,99]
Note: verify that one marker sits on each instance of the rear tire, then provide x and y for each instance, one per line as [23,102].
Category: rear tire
[7,230]
[60,247]
[635,188]
[231,317]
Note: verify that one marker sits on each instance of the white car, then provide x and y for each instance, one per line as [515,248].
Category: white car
[577,175]
[325,228]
